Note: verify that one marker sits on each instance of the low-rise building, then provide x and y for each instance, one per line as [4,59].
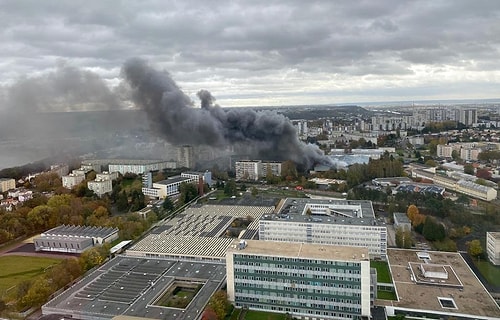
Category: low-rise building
[74,239]
[493,247]
[307,281]
[168,187]
[401,221]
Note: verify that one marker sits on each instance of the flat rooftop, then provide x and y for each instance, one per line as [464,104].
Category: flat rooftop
[172,180]
[301,250]
[495,235]
[336,211]
[122,161]
[80,231]
[198,232]
[470,298]
[130,286]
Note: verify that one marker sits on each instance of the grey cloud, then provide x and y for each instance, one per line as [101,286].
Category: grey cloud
[240,39]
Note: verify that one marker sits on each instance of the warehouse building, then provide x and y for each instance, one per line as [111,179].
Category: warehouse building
[74,239]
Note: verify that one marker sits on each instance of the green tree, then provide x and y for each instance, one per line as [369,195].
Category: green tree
[188,192]
[47,182]
[254,191]
[168,204]
[469,168]
[230,188]
[474,248]
[38,293]
[122,201]
[403,238]
[433,230]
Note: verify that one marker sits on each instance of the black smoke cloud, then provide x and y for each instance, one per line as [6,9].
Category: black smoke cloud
[263,134]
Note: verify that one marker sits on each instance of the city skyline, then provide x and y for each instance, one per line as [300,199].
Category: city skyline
[253,54]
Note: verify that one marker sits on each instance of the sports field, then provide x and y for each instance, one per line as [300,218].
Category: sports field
[15,269]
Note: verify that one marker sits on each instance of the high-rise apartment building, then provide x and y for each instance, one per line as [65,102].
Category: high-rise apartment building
[185,156]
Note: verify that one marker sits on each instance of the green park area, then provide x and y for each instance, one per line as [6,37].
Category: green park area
[489,271]
[16,269]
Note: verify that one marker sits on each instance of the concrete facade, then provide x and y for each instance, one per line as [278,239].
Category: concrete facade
[307,281]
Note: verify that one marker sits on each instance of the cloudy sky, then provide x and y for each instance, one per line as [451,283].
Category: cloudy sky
[264,52]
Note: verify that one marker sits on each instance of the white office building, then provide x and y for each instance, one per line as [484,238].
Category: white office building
[168,187]
[493,247]
[326,221]
[307,281]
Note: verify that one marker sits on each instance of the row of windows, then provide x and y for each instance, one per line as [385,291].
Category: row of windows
[269,268]
[253,281]
[332,296]
[239,257]
[338,304]
[60,245]
[240,273]
[351,313]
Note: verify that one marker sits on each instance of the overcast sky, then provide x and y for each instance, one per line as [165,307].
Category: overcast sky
[266,52]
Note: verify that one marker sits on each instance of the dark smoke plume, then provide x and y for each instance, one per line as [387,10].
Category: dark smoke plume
[264,134]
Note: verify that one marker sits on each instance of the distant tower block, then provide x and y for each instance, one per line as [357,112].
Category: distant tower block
[185,156]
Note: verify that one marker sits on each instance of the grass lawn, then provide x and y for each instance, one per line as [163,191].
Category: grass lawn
[386,295]
[261,315]
[489,271]
[15,269]
[383,274]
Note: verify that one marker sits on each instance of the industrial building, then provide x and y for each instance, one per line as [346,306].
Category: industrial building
[463,186]
[198,233]
[336,222]
[74,239]
[307,281]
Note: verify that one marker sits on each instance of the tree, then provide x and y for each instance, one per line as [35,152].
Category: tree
[455,155]
[412,211]
[230,188]
[122,201]
[469,168]
[289,170]
[188,192]
[47,182]
[93,257]
[474,248]
[403,238]
[168,204]
[219,304]
[433,230]
[254,191]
